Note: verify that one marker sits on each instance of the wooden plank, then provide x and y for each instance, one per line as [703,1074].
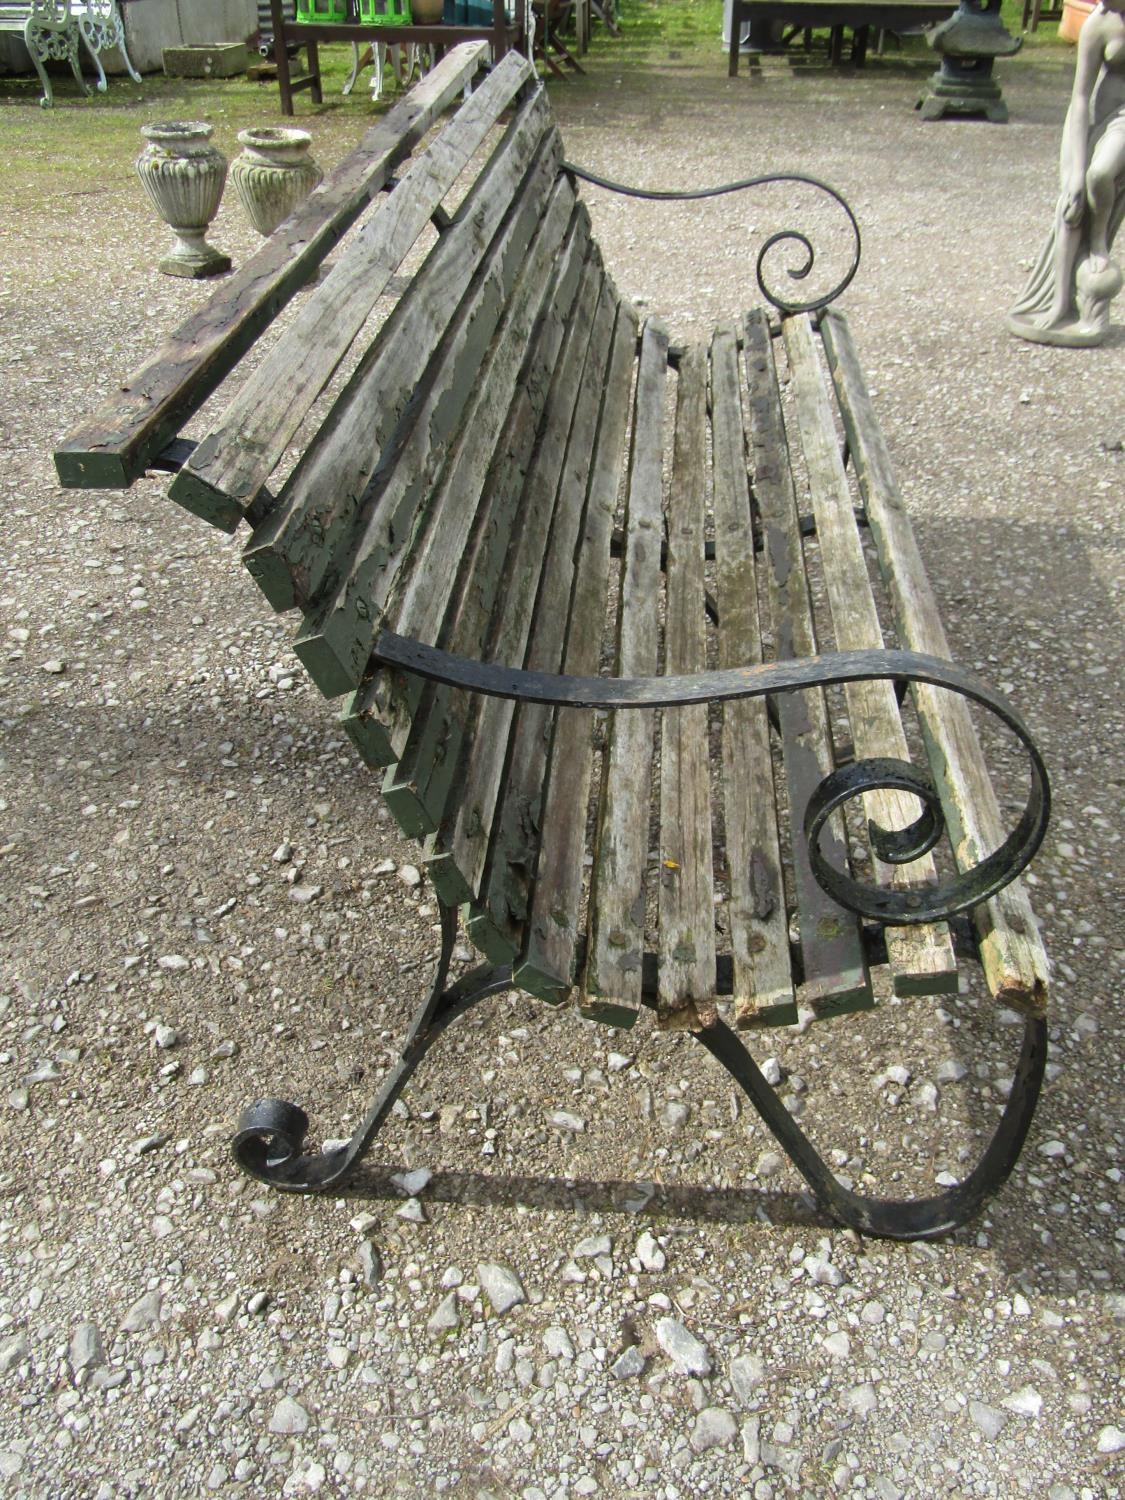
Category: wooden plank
[336,639]
[454,611]
[921,958]
[117,444]
[513,843]
[293,550]
[612,980]
[1015,962]
[419,786]
[686,892]
[836,977]
[762,991]
[547,965]
[226,473]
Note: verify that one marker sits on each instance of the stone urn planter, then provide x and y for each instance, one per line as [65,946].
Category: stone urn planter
[273,173]
[184,175]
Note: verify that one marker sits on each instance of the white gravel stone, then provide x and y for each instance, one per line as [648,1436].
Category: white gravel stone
[747,1372]
[649,1253]
[629,1363]
[1026,1402]
[688,1354]
[593,1246]
[714,1428]
[501,1286]
[412,1183]
[144,1313]
[289,1417]
[13,1351]
[988,1419]
[86,1351]
[446,1316]
[1111,1440]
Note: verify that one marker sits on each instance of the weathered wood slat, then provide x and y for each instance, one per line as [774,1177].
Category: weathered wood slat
[549,959]
[292,552]
[336,639]
[686,892]
[762,992]
[513,845]
[151,407]
[921,958]
[226,473]
[418,786]
[836,976]
[612,980]
[1015,962]
[455,611]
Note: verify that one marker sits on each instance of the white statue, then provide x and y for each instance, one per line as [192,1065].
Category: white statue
[1066,300]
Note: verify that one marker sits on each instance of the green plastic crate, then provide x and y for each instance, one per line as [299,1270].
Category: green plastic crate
[384,12]
[315,12]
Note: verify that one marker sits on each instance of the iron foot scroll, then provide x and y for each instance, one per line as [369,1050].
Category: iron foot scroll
[889,1218]
[271,1133]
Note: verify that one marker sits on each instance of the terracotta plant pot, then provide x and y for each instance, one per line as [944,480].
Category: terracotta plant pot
[1073,19]
[426,12]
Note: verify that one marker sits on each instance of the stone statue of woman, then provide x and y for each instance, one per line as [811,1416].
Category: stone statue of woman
[1067,297]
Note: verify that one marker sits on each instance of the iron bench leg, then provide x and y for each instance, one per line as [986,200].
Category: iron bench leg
[888,1218]
[271,1133]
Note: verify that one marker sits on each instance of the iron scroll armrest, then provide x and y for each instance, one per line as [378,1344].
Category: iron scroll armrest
[901,907]
[798,273]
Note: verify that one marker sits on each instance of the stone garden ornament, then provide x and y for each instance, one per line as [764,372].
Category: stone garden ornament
[184,175]
[1068,295]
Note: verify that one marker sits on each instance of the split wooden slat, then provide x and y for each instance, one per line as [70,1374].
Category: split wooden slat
[836,975]
[336,640]
[419,784]
[615,952]
[548,963]
[922,960]
[454,611]
[152,406]
[228,470]
[1012,952]
[762,992]
[513,844]
[686,892]
[292,552]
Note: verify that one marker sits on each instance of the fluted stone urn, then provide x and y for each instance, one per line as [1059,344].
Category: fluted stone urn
[184,175]
[273,173]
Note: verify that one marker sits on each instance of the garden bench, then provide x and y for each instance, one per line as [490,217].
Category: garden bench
[566,580]
[51,31]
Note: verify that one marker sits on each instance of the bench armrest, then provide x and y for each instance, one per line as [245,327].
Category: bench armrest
[798,273]
[897,907]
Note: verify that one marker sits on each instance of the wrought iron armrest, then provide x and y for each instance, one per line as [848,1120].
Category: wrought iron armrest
[933,903]
[797,273]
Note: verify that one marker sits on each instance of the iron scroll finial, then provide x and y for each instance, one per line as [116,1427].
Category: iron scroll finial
[799,272]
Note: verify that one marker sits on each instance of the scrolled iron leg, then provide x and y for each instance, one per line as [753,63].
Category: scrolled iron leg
[888,1218]
[270,1138]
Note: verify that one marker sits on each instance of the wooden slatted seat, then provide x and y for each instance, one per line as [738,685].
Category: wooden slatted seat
[619,626]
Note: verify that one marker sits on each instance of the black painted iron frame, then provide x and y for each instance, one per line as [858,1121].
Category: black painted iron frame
[270,1138]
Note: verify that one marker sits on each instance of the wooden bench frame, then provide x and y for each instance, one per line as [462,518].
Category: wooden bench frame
[575,365]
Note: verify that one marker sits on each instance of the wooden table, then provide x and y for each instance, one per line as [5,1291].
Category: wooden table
[502,34]
[835,15]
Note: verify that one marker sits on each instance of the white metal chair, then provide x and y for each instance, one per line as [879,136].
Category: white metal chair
[101,29]
[50,33]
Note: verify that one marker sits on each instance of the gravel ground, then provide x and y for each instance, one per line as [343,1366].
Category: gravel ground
[576,1267]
